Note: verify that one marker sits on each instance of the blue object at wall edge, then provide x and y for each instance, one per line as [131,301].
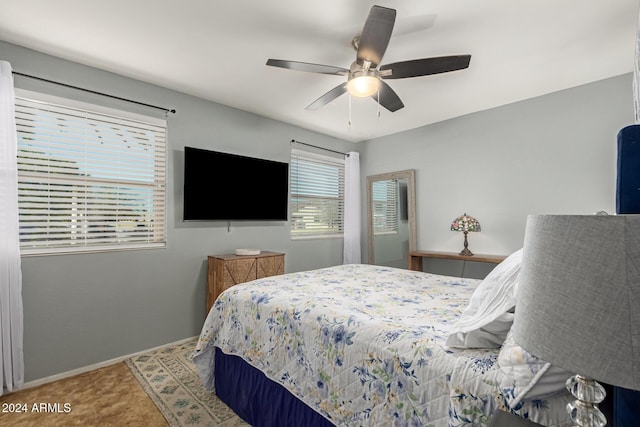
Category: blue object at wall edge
[628,173]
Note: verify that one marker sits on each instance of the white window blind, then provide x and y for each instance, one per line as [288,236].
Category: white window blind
[89,178]
[317,195]
[385,206]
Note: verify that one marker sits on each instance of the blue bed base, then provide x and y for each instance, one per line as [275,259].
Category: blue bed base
[258,400]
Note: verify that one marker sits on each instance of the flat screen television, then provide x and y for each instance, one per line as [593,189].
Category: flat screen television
[222,186]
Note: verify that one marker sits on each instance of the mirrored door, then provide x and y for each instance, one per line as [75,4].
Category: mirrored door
[391,218]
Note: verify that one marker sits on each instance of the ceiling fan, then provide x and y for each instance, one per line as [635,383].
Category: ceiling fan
[365,76]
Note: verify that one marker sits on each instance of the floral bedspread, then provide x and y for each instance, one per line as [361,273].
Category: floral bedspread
[362,345]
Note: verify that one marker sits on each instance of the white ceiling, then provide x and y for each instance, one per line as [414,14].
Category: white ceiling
[217,50]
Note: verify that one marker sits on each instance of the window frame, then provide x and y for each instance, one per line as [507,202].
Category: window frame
[318,160]
[155,206]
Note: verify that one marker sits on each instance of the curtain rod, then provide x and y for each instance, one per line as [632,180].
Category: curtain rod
[293,141]
[166,110]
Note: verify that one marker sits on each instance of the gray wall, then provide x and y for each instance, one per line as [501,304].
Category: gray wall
[84,309]
[551,154]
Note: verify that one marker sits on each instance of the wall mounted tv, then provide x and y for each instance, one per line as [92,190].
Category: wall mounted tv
[222,186]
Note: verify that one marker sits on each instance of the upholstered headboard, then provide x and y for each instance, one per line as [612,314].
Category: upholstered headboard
[625,402]
[628,178]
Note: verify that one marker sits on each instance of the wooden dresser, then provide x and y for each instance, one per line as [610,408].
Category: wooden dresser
[227,270]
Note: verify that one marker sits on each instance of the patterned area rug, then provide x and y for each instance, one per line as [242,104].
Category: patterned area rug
[171,381]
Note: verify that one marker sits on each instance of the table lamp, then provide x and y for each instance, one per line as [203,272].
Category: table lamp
[465,223]
[578,303]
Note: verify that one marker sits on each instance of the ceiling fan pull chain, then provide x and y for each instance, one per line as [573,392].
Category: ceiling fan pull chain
[378,105]
[349,111]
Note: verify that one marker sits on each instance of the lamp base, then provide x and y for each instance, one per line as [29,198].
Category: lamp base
[584,410]
[466,252]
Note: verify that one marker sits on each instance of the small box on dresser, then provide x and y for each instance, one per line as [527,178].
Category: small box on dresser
[227,270]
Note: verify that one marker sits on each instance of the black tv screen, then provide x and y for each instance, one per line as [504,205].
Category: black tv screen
[222,186]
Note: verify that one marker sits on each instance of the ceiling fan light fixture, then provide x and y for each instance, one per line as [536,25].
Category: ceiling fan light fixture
[363,84]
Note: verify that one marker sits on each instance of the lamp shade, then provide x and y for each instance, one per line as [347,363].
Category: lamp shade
[465,223]
[578,297]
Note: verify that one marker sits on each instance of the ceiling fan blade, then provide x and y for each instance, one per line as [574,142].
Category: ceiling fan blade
[328,97]
[388,98]
[375,35]
[310,68]
[426,66]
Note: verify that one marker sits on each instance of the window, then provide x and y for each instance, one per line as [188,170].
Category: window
[385,206]
[89,178]
[317,195]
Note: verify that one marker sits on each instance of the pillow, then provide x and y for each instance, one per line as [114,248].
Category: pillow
[522,375]
[485,321]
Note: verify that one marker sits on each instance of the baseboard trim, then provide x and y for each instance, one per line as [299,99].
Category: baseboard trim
[67,374]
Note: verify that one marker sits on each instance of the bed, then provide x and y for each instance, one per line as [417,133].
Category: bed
[363,345]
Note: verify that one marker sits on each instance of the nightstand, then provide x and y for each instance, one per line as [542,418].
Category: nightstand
[227,270]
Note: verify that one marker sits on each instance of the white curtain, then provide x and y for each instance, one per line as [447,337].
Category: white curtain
[11,350]
[352,202]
